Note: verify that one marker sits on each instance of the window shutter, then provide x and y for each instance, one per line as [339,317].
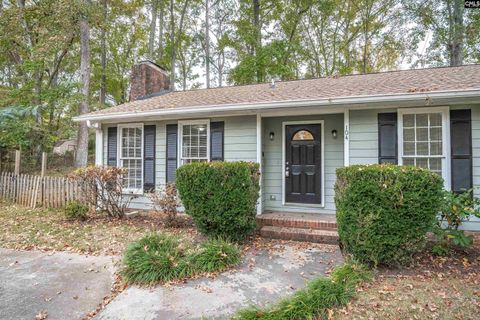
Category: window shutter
[112,146]
[172,141]
[149,158]
[461,149]
[216,141]
[387,138]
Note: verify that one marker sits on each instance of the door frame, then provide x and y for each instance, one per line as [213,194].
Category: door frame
[322,164]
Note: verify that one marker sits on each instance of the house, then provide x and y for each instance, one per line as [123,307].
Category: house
[61,147]
[299,131]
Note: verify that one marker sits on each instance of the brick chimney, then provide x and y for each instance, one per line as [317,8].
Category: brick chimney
[148,79]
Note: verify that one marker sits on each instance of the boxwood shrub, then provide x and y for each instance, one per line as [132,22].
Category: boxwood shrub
[220,197]
[384,211]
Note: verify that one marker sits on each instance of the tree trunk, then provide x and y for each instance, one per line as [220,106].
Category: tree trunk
[160,33]
[153,29]
[456,47]
[172,44]
[258,36]
[207,44]
[103,79]
[81,155]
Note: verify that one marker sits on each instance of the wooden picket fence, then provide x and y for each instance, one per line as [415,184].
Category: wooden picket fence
[35,191]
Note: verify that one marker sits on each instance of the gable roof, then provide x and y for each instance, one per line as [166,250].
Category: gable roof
[404,82]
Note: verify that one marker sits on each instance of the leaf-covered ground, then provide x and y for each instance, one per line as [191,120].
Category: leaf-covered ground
[47,229]
[432,288]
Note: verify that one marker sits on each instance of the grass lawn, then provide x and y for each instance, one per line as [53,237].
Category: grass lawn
[433,288]
[47,229]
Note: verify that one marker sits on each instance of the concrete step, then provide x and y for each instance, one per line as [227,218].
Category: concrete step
[300,234]
[297,221]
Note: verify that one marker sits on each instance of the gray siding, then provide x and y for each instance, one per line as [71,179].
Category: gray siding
[272,161]
[240,138]
[363,146]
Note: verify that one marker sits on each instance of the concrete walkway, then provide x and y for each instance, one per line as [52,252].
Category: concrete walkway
[264,277]
[66,285]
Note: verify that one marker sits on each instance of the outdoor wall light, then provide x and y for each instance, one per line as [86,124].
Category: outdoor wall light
[334,134]
[272,135]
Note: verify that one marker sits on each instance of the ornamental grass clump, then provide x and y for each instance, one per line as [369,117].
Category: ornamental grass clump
[159,258]
[385,211]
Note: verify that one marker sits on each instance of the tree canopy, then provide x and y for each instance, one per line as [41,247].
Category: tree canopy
[205,43]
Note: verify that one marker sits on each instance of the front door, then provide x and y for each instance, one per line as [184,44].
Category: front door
[303,165]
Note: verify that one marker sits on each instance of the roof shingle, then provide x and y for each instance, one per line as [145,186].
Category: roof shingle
[374,84]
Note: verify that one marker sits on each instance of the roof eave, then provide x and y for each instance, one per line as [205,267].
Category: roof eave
[352,100]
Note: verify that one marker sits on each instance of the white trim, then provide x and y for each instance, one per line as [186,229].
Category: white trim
[346,137]
[350,100]
[119,149]
[99,146]
[322,165]
[446,172]
[180,137]
[259,161]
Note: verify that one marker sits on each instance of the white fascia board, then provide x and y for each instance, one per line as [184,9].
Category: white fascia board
[424,96]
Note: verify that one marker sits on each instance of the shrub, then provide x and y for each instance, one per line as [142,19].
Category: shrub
[103,189]
[221,197]
[165,202]
[384,211]
[161,257]
[456,208]
[75,210]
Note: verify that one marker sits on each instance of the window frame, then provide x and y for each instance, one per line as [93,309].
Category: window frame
[183,123]
[445,157]
[120,128]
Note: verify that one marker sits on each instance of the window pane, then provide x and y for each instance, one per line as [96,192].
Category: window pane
[436,148]
[409,134]
[194,142]
[408,120]
[409,148]
[302,135]
[422,162]
[408,161]
[421,120]
[435,119]
[436,133]
[436,164]
[422,148]
[422,134]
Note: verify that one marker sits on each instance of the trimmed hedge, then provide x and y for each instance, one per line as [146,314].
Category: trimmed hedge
[221,197]
[384,211]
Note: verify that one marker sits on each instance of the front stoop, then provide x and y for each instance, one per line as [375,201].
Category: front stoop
[298,226]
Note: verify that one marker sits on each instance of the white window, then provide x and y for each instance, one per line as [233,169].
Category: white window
[194,141]
[423,139]
[131,156]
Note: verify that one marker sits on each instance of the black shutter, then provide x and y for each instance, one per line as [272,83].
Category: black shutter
[171,151]
[112,147]
[387,138]
[216,141]
[461,149]
[149,158]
